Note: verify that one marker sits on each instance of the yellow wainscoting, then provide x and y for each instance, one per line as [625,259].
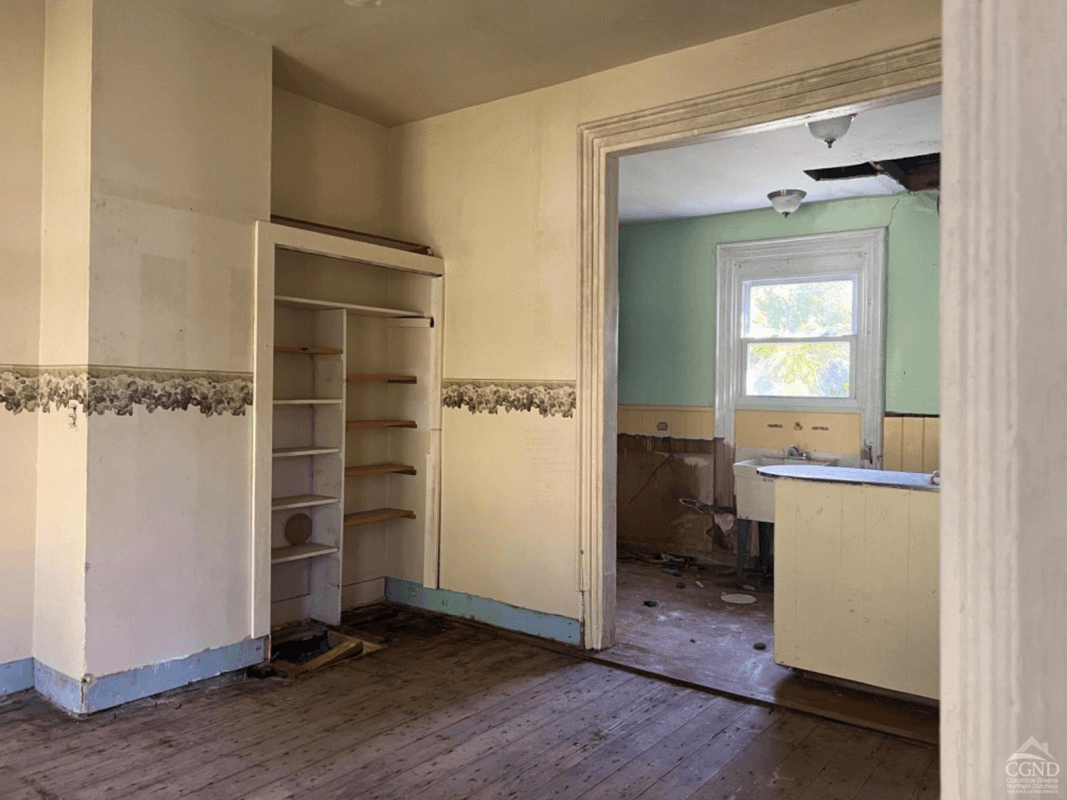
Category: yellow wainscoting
[683,422]
[912,444]
[811,431]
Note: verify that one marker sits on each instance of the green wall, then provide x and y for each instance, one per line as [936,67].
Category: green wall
[667,296]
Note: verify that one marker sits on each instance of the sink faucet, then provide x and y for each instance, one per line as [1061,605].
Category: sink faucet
[796,452]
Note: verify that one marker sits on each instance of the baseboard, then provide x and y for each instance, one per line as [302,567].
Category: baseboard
[492,612]
[16,676]
[98,693]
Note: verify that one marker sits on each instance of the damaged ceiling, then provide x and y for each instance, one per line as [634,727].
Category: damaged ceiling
[886,151]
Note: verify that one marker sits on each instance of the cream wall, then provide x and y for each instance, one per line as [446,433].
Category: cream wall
[495,189]
[21,119]
[181,119]
[59,594]
[329,166]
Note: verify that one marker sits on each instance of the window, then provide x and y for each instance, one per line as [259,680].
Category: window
[799,326]
[798,338]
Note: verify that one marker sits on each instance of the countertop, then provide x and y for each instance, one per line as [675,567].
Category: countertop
[871,477]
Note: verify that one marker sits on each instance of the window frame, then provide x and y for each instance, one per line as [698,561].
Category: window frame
[859,254]
[746,399]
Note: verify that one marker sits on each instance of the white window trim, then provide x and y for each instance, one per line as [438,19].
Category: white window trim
[771,258]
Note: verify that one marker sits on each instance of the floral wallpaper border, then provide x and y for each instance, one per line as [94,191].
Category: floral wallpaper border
[99,389]
[548,398]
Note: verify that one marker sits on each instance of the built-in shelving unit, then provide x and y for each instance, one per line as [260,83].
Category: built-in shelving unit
[366,470]
[297,552]
[377,515]
[369,424]
[347,416]
[364,378]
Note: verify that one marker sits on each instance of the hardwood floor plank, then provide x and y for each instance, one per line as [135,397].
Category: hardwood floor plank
[711,713]
[302,700]
[899,771]
[317,760]
[378,711]
[691,773]
[600,713]
[801,765]
[450,711]
[929,787]
[665,701]
[845,773]
[414,768]
[640,773]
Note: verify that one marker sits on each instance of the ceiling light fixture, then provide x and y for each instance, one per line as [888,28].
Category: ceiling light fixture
[786,201]
[830,130]
[363,3]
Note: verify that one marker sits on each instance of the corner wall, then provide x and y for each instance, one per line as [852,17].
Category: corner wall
[22,32]
[181,119]
[329,167]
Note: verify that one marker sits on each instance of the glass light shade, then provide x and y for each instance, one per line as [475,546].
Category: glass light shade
[830,130]
[786,201]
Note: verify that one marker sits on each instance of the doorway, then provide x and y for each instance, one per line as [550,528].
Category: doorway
[611,611]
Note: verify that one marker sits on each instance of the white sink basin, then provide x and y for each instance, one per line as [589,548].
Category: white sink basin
[755,493]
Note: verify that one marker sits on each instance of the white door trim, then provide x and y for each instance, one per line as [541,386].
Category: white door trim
[852,86]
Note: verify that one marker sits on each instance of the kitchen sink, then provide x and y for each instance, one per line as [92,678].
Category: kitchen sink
[755,493]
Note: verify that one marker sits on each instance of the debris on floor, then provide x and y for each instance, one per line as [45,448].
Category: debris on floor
[651,603]
[674,572]
[738,599]
[698,583]
[760,646]
[680,585]
[300,654]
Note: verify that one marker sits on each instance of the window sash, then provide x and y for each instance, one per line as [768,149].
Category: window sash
[747,286]
[778,399]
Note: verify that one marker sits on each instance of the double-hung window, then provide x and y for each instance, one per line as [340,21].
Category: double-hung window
[799,325]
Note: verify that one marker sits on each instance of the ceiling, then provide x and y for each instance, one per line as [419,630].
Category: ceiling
[735,174]
[394,61]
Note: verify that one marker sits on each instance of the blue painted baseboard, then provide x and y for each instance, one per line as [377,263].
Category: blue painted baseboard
[493,612]
[96,694]
[16,676]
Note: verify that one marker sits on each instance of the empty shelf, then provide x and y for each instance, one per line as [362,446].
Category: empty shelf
[289,452]
[309,304]
[309,401]
[311,351]
[370,378]
[367,424]
[301,501]
[296,552]
[378,469]
[377,515]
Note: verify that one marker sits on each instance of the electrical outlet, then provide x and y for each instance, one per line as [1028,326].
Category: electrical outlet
[662,426]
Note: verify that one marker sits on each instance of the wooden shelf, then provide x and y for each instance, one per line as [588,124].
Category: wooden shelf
[308,351]
[370,378]
[290,452]
[377,515]
[296,552]
[368,424]
[309,401]
[301,501]
[365,470]
[309,304]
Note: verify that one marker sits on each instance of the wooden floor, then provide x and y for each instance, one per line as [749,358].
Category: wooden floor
[692,636]
[451,711]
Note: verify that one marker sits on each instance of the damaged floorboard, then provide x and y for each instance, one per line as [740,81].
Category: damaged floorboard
[449,710]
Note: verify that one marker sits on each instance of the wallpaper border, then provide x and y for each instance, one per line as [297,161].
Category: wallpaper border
[548,398]
[99,389]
